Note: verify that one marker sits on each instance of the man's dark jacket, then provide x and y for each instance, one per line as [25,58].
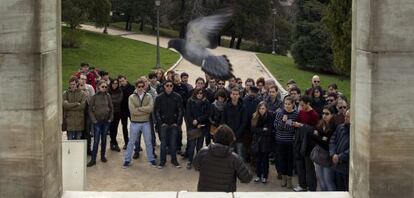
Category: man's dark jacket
[219,169]
[168,109]
[235,116]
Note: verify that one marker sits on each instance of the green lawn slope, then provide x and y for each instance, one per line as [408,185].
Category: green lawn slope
[114,54]
[283,68]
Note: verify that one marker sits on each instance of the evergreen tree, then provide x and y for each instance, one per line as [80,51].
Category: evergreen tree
[311,48]
[338,23]
[75,12]
[100,13]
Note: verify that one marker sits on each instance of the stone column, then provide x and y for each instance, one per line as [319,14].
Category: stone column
[30,99]
[382,142]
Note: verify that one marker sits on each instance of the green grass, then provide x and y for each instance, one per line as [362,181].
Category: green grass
[283,68]
[115,55]
[165,32]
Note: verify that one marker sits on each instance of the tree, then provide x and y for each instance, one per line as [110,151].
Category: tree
[338,22]
[75,12]
[311,47]
[100,12]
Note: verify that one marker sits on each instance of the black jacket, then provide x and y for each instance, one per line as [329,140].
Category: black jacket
[168,109]
[182,90]
[126,92]
[219,169]
[302,142]
[250,103]
[324,136]
[339,144]
[197,110]
[263,133]
[216,116]
[236,118]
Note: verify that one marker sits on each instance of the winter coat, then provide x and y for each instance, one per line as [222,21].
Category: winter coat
[140,109]
[303,145]
[219,169]
[182,90]
[216,116]
[74,104]
[116,96]
[339,144]
[199,110]
[250,103]
[317,105]
[274,106]
[235,116]
[168,109]
[324,135]
[126,92]
[101,108]
[263,133]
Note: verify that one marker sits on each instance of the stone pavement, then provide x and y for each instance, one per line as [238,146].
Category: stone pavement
[141,176]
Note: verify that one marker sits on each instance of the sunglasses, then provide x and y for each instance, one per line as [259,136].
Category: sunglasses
[103,87]
[316,81]
[342,107]
[220,83]
[326,114]
[140,86]
[169,85]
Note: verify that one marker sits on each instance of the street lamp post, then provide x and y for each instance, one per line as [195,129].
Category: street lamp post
[274,12]
[157,4]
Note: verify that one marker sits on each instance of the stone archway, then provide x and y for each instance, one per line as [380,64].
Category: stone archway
[382,157]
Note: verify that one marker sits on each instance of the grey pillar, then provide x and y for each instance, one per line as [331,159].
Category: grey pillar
[382,144]
[30,98]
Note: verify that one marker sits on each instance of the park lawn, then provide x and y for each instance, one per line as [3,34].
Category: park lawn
[283,68]
[115,55]
[164,32]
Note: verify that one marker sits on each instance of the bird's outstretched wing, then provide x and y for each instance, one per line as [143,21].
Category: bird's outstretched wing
[218,66]
[203,30]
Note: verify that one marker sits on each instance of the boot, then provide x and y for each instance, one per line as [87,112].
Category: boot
[289,182]
[284,180]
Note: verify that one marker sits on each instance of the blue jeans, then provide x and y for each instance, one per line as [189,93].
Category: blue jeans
[100,132]
[136,129]
[326,177]
[168,136]
[74,135]
[196,143]
[238,147]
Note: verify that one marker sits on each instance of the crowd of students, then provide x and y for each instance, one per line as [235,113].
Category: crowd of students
[304,133]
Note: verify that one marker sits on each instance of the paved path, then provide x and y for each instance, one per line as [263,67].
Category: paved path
[140,176]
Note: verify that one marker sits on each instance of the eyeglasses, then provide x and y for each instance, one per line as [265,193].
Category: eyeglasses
[326,114]
[315,81]
[169,85]
[140,86]
[342,107]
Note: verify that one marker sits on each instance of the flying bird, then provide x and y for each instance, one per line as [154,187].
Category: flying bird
[202,34]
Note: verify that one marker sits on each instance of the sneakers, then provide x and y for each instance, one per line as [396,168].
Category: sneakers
[264,180]
[153,163]
[256,180]
[136,155]
[126,164]
[104,160]
[161,165]
[188,165]
[299,189]
[176,164]
[91,163]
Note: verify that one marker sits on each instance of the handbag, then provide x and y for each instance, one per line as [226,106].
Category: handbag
[320,156]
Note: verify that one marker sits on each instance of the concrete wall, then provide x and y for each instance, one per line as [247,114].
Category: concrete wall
[30,67]
[382,161]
